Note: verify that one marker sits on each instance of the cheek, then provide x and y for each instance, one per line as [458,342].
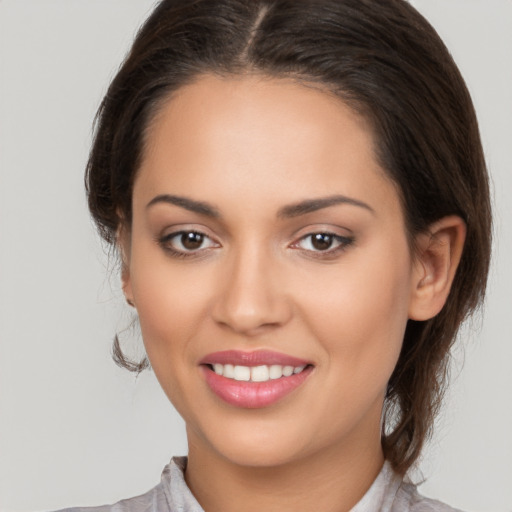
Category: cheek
[170,302]
[359,313]
[170,307]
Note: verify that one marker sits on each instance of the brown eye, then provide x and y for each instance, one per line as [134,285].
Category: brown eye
[328,244]
[192,240]
[186,243]
[322,241]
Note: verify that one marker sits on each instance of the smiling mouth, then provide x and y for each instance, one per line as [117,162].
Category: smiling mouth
[261,373]
[253,380]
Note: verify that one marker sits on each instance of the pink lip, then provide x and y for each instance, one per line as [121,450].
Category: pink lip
[253,395]
[255,358]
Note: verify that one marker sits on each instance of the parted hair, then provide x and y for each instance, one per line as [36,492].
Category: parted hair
[384,60]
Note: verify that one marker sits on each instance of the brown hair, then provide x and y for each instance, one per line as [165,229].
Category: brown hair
[383,59]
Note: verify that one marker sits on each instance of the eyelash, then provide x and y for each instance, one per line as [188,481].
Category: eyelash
[165,243]
[343,243]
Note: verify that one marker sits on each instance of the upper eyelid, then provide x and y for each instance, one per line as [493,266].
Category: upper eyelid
[174,230]
[342,238]
[296,237]
[173,234]
[165,243]
[337,231]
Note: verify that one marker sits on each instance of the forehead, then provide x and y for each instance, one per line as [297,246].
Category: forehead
[244,136]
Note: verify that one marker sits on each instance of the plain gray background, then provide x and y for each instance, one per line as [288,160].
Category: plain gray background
[75,429]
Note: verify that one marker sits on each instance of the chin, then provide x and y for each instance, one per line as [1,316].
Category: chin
[260,455]
[262,443]
[247,443]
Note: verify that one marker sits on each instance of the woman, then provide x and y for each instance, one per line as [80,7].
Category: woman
[299,198]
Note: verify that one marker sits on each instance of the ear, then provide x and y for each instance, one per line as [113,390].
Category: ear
[438,253]
[123,242]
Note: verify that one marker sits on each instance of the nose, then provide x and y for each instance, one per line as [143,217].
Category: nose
[252,298]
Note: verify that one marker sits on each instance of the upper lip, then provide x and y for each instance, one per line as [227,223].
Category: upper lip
[253,358]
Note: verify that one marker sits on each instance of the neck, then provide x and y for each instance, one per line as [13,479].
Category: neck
[332,480]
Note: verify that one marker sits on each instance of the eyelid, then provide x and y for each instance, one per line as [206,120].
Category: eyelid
[343,241]
[326,228]
[164,240]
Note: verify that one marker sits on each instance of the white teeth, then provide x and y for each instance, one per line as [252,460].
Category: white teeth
[260,373]
[229,371]
[242,373]
[276,371]
[287,371]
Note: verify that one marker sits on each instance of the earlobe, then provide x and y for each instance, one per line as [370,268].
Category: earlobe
[437,257]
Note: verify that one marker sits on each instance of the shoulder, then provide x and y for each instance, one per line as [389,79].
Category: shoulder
[392,493]
[152,501]
[409,499]
[170,495]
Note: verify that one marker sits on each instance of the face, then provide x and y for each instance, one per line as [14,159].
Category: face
[267,241]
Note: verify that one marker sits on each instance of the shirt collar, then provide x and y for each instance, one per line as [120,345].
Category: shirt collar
[379,497]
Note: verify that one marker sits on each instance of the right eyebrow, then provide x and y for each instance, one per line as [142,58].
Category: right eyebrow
[200,207]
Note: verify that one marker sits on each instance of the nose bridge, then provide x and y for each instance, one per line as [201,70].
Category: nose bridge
[250,297]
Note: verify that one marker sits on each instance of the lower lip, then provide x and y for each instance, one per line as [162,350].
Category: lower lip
[253,395]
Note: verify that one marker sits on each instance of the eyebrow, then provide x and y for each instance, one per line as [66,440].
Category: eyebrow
[200,207]
[312,205]
[289,211]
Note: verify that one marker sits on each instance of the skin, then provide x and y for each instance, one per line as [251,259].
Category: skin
[250,147]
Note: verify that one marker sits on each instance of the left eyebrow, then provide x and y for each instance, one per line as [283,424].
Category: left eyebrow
[312,205]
